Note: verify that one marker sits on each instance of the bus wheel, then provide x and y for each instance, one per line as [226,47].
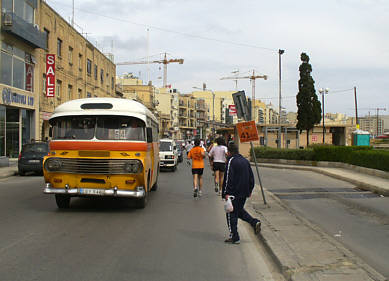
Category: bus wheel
[63,201]
[155,185]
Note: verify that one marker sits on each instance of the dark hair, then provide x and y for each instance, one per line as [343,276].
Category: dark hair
[196,142]
[232,148]
[220,141]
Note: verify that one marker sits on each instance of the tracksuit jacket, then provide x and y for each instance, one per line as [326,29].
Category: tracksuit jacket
[238,178]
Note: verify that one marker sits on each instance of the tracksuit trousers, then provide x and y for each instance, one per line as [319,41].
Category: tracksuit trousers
[238,213]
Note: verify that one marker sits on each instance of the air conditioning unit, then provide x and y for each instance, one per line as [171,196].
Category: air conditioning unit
[7,19]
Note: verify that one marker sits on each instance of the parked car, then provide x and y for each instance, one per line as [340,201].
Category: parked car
[31,157]
[168,154]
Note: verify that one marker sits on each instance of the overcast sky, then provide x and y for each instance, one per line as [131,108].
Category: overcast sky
[347,42]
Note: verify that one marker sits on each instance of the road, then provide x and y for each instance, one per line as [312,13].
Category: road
[358,219]
[176,237]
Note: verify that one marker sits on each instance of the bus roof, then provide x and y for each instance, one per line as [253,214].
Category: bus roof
[103,106]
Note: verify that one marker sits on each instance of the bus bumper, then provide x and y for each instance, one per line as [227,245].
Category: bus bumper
[114,192]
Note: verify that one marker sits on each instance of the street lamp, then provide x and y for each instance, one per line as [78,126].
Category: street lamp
[280,52]
[213,105]
[323,92]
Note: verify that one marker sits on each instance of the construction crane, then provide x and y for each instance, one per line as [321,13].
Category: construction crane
[252,79]
[164,61]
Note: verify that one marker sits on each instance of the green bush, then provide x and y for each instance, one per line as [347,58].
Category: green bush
[364,156]
[289,154]
[374,159]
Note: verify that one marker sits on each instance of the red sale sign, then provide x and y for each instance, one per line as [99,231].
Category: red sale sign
[50,75]
[232,110]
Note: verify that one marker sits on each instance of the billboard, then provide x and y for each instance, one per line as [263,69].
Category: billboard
[50,75]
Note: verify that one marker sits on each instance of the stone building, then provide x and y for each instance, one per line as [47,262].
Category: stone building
[21,43]
[81,70]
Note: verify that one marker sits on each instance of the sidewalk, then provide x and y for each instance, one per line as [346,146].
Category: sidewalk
[300,249]
[376,181]
[11,170]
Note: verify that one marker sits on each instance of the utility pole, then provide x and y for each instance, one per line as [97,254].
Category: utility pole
[280,52]
[73,15]
[356,107]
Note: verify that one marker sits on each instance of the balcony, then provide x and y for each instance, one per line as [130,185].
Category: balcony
[27,32]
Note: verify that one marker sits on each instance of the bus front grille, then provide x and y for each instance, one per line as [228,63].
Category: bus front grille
[93,166]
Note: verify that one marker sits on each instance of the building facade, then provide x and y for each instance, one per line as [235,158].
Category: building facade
[133,88]
[187,116]
[21,42]
[81,70]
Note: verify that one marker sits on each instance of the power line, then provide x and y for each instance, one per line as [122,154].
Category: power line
[171,31]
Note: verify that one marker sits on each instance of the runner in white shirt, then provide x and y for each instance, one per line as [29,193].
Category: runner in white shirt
[218,155]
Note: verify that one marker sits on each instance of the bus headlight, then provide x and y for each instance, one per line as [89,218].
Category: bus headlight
[53,164]
[133,167]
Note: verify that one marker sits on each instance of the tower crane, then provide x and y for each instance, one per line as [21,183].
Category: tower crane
[252,79]
[164,61]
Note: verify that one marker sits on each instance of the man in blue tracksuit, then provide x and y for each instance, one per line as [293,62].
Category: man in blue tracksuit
[239,182]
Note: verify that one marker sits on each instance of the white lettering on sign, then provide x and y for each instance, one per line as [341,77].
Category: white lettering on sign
[50,75]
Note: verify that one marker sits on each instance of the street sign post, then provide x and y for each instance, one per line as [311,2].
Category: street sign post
[241,105]
[247,131]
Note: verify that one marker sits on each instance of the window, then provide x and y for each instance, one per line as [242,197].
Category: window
[44,84]
[102,76]
[79,93]
[70,92]
[70,55]
[80,62]
[95,71]
[6,68]
[112,82]
[88,95]
[89,67]
[58,89]
[16,68]
[24,10]
[47,32]
[7,5]
[59,47]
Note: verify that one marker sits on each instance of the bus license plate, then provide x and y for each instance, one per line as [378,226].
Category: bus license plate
[89,191]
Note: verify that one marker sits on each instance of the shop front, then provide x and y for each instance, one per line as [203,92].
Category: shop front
[17,120]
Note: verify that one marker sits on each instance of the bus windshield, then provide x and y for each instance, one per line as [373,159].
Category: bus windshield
[99,127]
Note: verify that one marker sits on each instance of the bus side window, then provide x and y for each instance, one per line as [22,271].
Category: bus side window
[149,132]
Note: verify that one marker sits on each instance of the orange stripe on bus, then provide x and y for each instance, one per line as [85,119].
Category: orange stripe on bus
[88,145]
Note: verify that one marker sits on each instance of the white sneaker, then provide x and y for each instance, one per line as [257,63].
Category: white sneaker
[200,193]
[195,191]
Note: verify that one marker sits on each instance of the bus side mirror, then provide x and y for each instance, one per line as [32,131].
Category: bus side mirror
[149,135]
[51,132]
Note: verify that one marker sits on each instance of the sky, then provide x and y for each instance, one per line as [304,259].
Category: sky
[347,42]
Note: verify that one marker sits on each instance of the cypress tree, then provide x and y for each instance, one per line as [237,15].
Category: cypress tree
[308,104]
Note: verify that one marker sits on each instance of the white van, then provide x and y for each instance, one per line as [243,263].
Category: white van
[168,154]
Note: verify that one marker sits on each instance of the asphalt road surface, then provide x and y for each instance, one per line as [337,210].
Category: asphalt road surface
[358,219]
[176,237]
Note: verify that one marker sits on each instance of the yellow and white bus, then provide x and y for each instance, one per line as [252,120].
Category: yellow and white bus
[102,147]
